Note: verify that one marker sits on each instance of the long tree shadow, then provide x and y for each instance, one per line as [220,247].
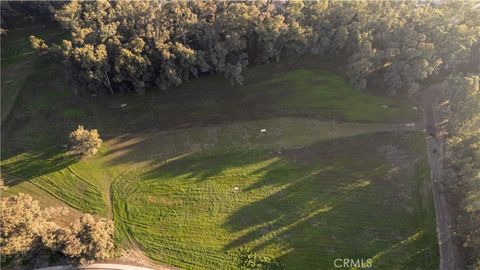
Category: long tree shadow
[302,198]
[343,205]
[309,205]
[29,165]
[201,166]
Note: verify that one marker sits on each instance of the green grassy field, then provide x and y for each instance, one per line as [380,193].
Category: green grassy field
[189,178]
[305,205]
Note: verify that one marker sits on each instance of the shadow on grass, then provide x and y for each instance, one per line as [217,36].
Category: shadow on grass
[343,206]
[319,192]
[29,165]
[202,167]
[212,101]
[306,206]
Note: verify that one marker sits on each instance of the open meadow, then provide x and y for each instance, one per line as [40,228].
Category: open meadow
[294,164]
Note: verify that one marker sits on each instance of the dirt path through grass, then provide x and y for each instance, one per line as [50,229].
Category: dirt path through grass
[449,250]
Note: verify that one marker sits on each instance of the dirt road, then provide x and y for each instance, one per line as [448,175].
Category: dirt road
[449,249]
[104,266]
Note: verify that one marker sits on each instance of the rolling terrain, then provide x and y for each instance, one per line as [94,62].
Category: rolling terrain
[294,164]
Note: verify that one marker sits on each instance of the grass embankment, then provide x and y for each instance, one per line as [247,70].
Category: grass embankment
[188,177]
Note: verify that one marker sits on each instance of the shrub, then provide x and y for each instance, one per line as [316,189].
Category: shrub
[38,44]
[251,261]
[85,142]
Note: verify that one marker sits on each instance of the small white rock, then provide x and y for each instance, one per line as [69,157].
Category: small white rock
[123,105]
[263,130]
[415,108]
[385,106]
[236,188]
[410,125]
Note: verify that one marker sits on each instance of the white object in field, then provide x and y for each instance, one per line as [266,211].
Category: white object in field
[263,130]
[415,108]
[445,121]
[410,125]
[385,106]
[236,188]
[123,105]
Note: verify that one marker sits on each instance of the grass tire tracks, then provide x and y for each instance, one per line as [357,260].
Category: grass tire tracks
[69,168]
[117,185]
[68,199]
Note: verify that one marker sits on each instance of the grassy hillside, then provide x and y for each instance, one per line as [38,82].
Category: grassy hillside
[305,205]
[188,177]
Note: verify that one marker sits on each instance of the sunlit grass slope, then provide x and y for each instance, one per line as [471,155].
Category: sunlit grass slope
[306,205]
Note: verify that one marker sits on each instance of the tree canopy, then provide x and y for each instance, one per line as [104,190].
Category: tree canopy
[463,153]
[26,228]
[85,142]
[135,45]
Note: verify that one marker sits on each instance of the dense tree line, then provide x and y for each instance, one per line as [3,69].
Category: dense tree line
[463,154]
[134,45]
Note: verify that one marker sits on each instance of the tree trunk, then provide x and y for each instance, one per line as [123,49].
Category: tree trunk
[107,83]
